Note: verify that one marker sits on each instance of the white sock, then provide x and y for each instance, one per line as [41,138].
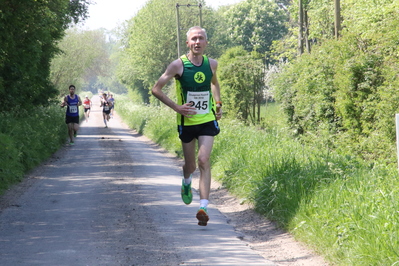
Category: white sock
[204,203]
[105,121]
[187,181]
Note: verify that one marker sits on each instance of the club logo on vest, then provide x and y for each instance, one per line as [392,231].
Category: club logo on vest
[199,77]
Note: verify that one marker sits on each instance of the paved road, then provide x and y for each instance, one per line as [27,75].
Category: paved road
[114,199]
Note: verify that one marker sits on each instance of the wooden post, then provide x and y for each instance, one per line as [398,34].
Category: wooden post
[337,6]
[178,30]
[178,22]
[300,31]
[200,15]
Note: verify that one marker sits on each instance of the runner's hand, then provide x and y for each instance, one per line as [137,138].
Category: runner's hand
[218,112]
[187,110]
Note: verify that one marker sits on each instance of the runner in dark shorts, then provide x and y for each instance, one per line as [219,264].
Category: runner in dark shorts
[188,133]
[71,119]
[106,105]
[72,103]
[198,106]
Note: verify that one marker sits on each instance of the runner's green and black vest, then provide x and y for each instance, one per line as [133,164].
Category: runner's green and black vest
[194,86]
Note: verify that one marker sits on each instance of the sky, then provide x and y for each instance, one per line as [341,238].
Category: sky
[109,14]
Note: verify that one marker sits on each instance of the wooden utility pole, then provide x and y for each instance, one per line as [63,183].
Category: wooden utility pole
[300,32]
[178,22]
[337,6]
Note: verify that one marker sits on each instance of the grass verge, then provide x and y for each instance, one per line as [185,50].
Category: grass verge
[28,138]
[343,208]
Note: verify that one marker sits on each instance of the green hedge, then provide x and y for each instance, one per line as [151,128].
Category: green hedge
[28,138]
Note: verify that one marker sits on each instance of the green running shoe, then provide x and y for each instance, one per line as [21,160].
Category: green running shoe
[186,194]
[202,216]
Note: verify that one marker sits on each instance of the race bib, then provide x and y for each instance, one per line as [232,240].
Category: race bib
[106,108]
[73,109]
[87,106]
[199,100]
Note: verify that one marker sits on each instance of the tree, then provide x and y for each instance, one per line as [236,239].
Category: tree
[29,32]
[82,59]
[255,24]
[218,37]
[242,79]
[150,47]
[345,91]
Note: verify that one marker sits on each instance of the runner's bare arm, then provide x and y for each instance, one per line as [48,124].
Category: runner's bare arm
[65,102]
[173,70]
[216,88]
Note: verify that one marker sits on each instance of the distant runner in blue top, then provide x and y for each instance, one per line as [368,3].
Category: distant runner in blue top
[72,102]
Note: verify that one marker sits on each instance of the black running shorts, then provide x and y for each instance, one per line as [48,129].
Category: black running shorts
[71,119]
[188,133]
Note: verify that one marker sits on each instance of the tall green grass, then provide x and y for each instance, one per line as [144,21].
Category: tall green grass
[156,122]
[354,220]
[27,138]
[345,209]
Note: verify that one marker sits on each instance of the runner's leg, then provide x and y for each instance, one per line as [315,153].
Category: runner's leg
[205,144]
[70,131]
[189,158]
[75,128]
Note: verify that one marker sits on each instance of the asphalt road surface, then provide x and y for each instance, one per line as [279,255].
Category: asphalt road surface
[113,199]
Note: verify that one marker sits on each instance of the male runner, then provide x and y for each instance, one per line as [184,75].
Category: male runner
[72,101]
[198,108]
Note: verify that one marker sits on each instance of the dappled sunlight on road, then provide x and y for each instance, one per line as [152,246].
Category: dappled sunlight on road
[114,199]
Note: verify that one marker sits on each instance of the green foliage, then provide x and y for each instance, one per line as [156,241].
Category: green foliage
[254,24]
[353,220]
[298,87]
[272,117]
[28,34]
[340,205]
[78,10]
[345,93]
[28,138]
[321,18]
[362,17]
[218,37]
[150,47]
[150,120]
[11,168]
[241,76]
[284,49]
[83,58]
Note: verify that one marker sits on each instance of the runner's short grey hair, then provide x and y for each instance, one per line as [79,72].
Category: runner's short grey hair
[196,28]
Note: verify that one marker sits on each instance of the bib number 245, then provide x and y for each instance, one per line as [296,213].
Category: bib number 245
[199,100]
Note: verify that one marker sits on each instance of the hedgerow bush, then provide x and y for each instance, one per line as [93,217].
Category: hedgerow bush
[28,138]
[344,97]
[340,205]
